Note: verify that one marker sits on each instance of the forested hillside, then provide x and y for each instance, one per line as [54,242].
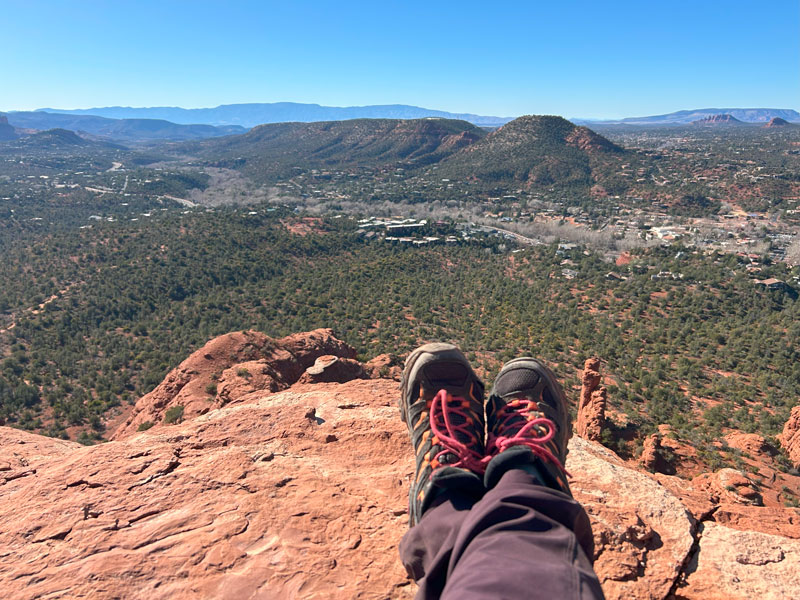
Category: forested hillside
[94,318]
[270,153]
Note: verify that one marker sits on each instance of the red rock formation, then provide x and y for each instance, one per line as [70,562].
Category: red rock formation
[587,140]
[653,456]
[592,404]
[729,485]
[751,443]
[790,438]
[724,119]
[229,367]
[248,501]
[777,122]
[385,366]
[332,369]
[303,493]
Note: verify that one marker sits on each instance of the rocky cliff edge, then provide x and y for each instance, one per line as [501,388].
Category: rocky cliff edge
[301,492]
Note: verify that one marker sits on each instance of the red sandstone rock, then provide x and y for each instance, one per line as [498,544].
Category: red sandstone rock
[643,533]
[296,494]
[751,443]
[302,493]
[738,565]
[729,485]
[248,501]
[311,345]
[790,438]
[229,367]
[592,403]
[684,459]
[653,456]
[384,366]
[781,521]
[332,369]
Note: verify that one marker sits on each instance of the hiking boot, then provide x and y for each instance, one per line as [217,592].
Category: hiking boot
[528,424]
[442,404]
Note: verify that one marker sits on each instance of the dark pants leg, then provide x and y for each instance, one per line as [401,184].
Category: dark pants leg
[521,540]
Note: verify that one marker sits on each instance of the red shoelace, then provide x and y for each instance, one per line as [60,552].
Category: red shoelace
[528,435]
[443,407]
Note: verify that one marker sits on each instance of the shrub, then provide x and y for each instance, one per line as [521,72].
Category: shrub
[145,426]
[84,439]
[211,389]
[174,414]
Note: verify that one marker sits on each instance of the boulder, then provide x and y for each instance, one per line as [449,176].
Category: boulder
[642,532]
[332,369]
[741,565]
[384,366]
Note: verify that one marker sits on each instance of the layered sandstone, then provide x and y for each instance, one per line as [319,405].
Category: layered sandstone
[790,438]
[302,493]
[592,403]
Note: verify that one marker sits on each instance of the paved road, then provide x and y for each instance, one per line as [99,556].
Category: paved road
[520,238]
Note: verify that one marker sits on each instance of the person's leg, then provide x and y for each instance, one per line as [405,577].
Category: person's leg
[426,549]
[522,540]
[442,404]
[527,537]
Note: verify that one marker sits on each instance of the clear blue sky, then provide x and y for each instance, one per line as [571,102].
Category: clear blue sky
[569,57]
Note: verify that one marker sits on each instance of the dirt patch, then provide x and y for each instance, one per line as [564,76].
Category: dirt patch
[304,226]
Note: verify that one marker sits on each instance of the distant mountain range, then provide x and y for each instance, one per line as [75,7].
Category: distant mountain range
[250,115]
[127,125]
[124,130]
[685,117]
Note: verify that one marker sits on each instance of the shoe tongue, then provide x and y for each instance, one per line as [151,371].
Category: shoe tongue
[518,380]
[448,375]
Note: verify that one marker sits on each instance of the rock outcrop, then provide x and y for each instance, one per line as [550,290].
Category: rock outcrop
[643,533]
[790,438]
[332,369]
[228,368]
[777,122]
[7,132]
[294,495]
[751,443]
[654,456]
[723,119]
[592,403]
[740,565]
[385,366]
[729,485]
[302,493]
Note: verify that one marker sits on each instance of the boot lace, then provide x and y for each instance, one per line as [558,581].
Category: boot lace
[528,435]
[450,433]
